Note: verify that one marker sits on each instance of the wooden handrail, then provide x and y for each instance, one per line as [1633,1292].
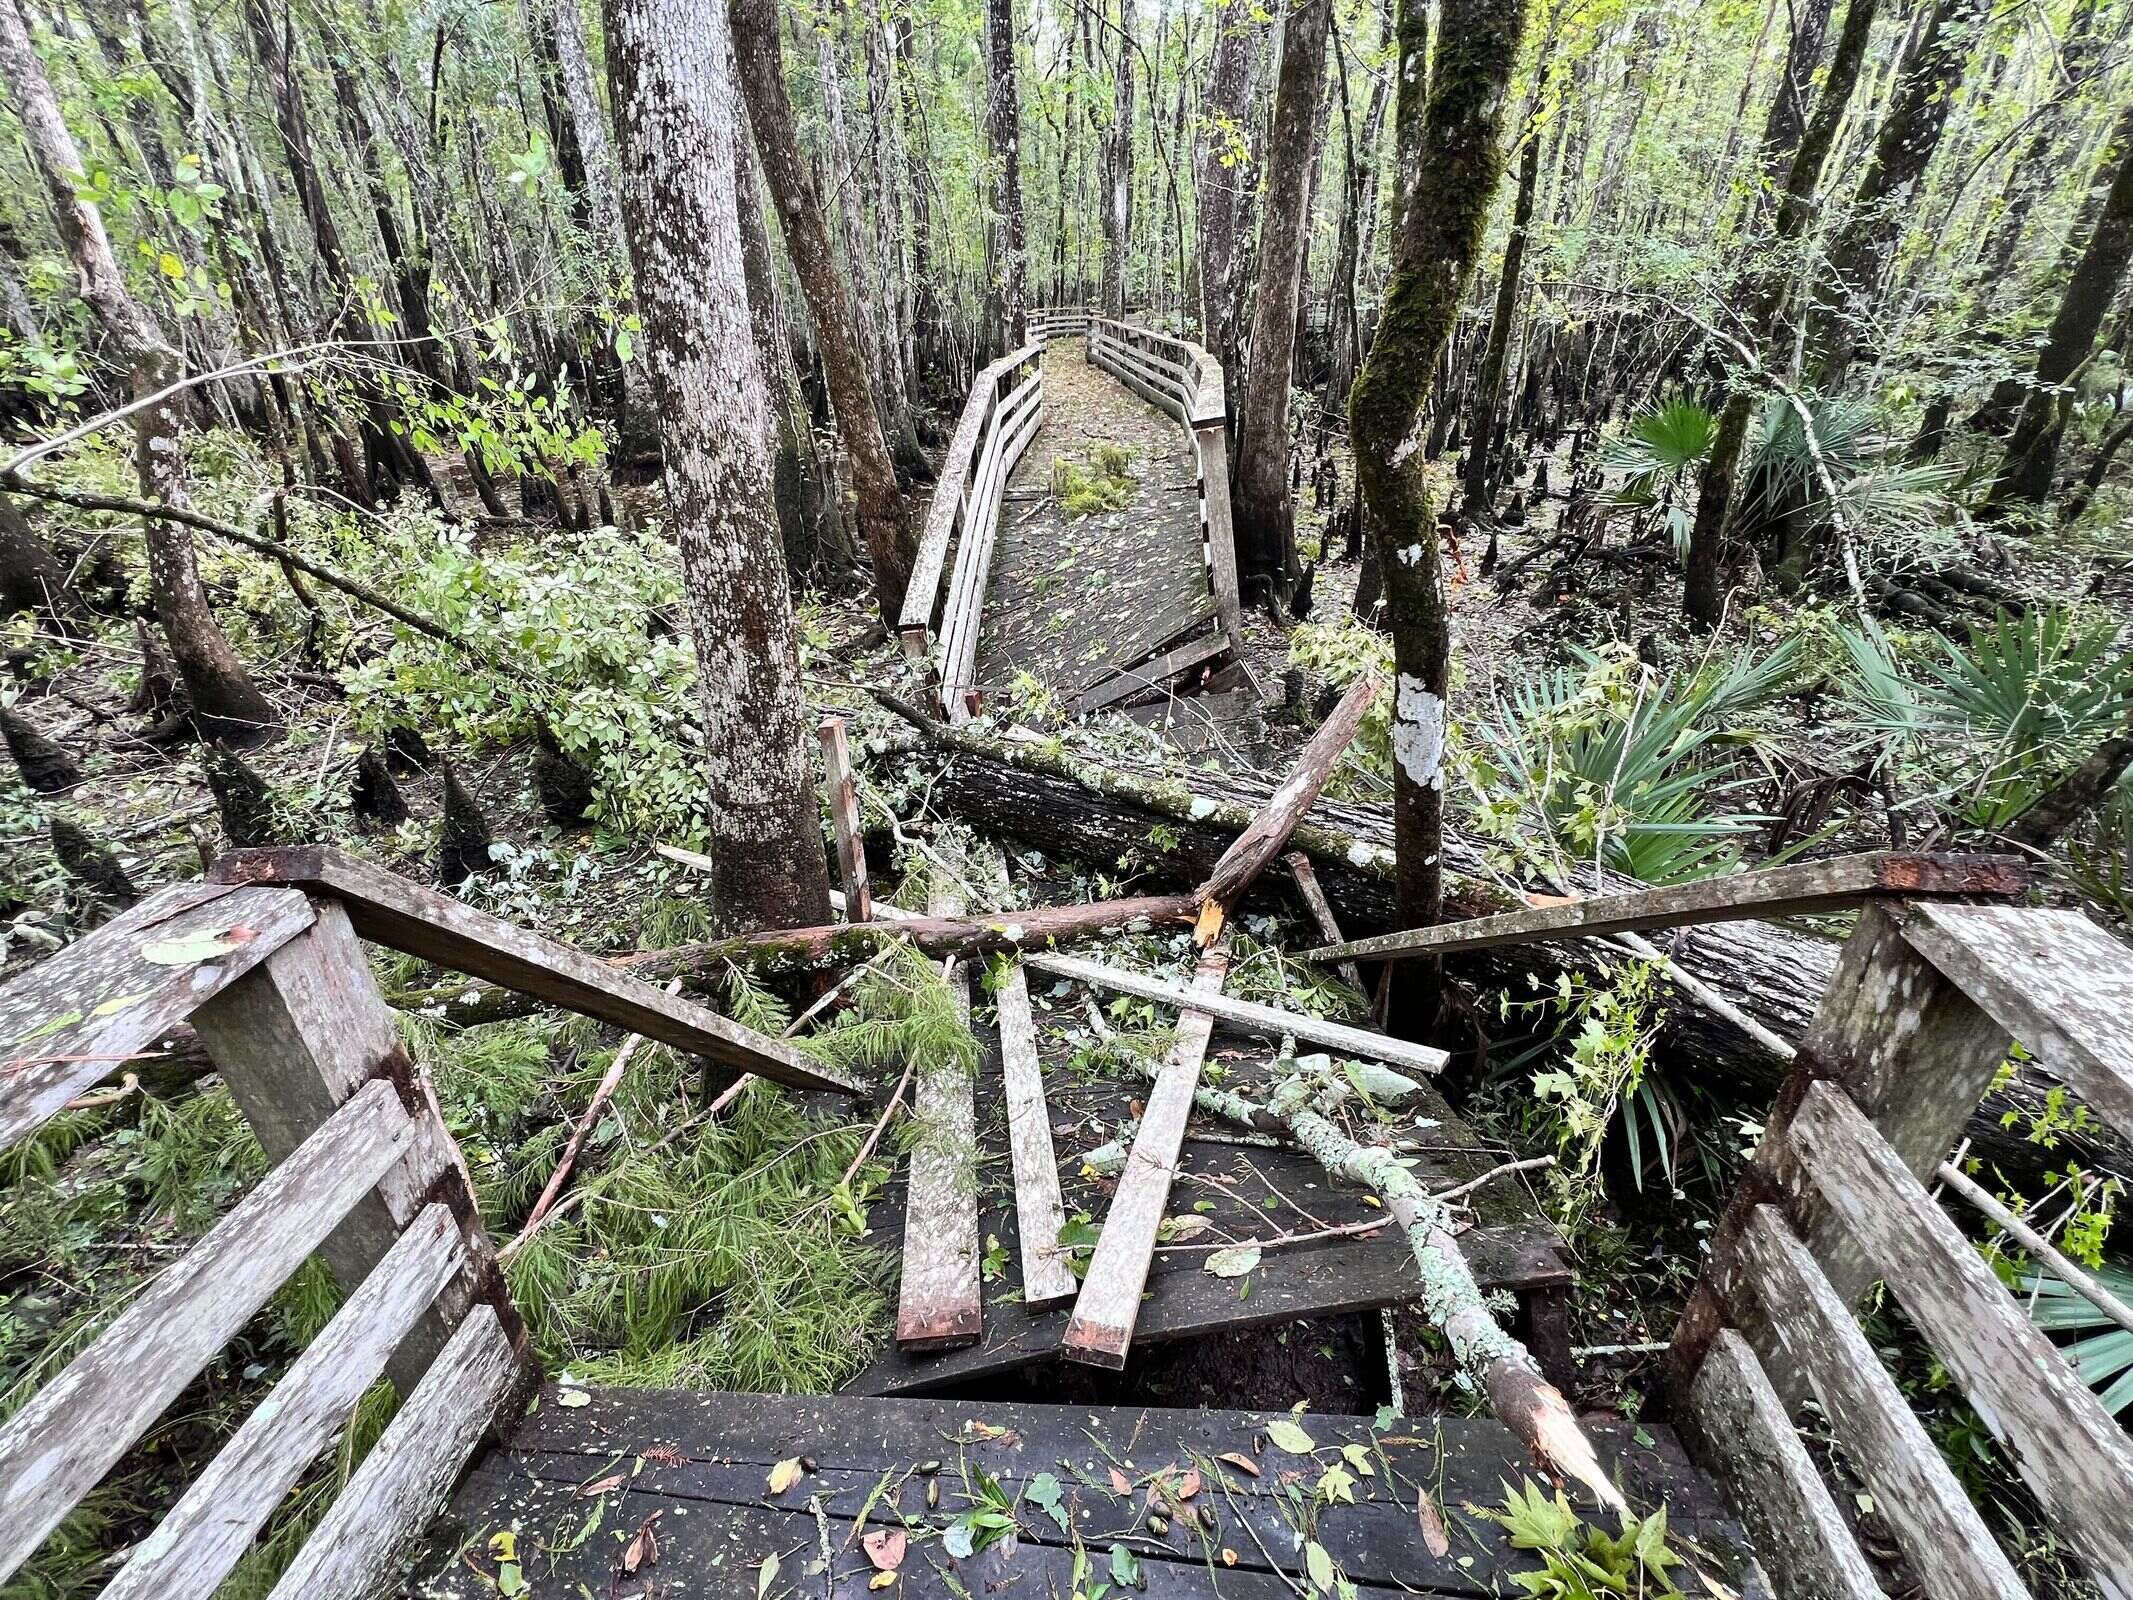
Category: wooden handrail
[950,506]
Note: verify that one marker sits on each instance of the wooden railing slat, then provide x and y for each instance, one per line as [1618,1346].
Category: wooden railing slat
[1040,1213]
[1271,1020]
[420,921]
[208,1531]
[1739,1432]
[1758,895]
[1947,1542]
[60,1445]
[77,1018]
[390,1500]
[940,1299]
[2065,1445]
[2053,980]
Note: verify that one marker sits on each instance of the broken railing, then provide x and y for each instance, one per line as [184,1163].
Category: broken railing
[267,967]
[1002,415]
[1933,986]
[1180,377]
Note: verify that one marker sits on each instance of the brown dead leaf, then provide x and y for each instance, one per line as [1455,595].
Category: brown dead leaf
[1189,1485]
[1121,1485]
[1434,1533]
[1242,1462]
[885,1548]
[643,1549]
[614,1480]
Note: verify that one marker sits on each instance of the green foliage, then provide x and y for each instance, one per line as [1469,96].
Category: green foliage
[1991,725]
[1658,453]
[1617,764]
[1896,501]
[1580,1561]
[1101,481]
[1342,651]
[2104,1354]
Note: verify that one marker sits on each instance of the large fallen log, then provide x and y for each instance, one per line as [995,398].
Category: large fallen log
[1176,824]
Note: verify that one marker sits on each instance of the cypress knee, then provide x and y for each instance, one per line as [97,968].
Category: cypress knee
[91,865]
[375,797]
[565,787]
[45,766]
[464,850]
[242,796]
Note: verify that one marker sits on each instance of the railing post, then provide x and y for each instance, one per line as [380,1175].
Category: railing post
[295,1039]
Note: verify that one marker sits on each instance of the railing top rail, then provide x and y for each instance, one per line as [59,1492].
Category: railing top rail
[1207,402]
[916,618]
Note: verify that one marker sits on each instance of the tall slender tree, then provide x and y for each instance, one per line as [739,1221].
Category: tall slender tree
[1454,128]
[1221,166]
[884,519]
[1263,507]
[226,704]
[2033,447]
[669,66]
[1003,132]
[1116,176]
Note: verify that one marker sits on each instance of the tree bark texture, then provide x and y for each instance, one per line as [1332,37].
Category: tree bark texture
[1116,174]
[1488,392]
[1221,168]
[669,63]
[1443,207]
[1264,512]
[884,520]
[1003,132]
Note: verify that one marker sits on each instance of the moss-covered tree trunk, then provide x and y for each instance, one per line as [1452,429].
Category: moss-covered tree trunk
[1003,136]
[1762,295]
[884,520]
[1263,509]
[670,66]
[2033,448]
[1221,167]
[1454,127]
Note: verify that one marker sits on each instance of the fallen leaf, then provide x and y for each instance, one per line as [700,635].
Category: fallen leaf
[197,947]
[881,1580]
[1234,1262]
[1319,1563]
[643,1550]
[1229,1556]
[572,1399]
[766,1574]
[1120,1483]
[1242,1462]
[1189,1485]
[785,1474]
[885,1548]
[1287,1436]
[614,1480]
[1434,1533]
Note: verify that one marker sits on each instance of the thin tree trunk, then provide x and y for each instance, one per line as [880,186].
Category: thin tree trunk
[1264,510]
[1443,206]
[884,521]
[1481,430]
[226,704]
[2033,448]
[1221,166]
[2038,166]
[670,65]
[1117,198]
[1003,133]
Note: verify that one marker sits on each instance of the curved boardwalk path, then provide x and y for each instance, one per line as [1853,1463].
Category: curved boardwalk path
[1076,599]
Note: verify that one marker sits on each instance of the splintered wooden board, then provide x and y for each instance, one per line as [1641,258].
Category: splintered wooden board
[939,1303]
[701,1463]
[1511,1248]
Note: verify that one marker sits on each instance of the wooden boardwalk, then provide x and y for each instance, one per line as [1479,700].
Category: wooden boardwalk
[1190,1503]
[1076,598]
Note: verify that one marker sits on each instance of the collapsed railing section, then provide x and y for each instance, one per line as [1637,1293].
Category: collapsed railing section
[1005,409]
[1909,1037]
[1180,377]
[268,968]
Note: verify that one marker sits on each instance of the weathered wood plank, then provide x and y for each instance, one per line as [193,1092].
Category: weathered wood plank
[405,1480]
[1109,1304]
[1210,440]
[59,1445]
[1249,1014]
[422,922]
[1047,1280]
[939,1302]
[1329,928]
[916,619]
[1268,831]
[1795,1309]
[1755,896]
[2053,980]
[79,1017]
[1130,681]
[1736,1428]
[293,1041]
[208,1531]
[2065,1445]
[843,794]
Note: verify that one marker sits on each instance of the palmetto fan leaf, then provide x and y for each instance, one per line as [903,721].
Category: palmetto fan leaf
[2104,1359]
[1676,436]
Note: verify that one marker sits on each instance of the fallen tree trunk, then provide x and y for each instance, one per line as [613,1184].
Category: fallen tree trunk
[1175,825]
